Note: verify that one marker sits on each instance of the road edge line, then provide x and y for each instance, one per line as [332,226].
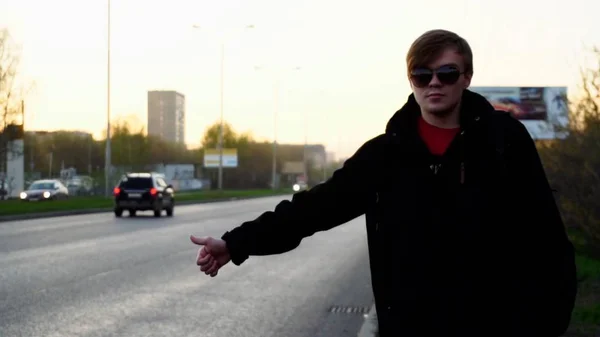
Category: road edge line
[369,327]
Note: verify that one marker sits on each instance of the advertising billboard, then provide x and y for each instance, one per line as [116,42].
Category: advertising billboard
[211,158]
[543,110]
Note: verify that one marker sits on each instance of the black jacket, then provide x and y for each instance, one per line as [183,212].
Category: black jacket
[470,243]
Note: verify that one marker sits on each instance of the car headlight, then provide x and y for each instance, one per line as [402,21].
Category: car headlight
[296,187]
[23,195]
[46,194]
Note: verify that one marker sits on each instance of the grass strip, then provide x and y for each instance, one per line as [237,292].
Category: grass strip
[13,207]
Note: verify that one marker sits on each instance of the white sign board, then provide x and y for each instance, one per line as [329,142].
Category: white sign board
[540,109]
[211,158]
[179,171]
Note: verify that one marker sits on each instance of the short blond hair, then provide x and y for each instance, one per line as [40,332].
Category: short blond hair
[427,47]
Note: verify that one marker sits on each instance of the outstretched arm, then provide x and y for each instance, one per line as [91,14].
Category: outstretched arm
[345,196]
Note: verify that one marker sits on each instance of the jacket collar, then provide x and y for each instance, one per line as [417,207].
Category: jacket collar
[473,108]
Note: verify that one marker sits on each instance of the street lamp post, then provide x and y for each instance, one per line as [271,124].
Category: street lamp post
[275,120]
[275,116]
[107,163]
[304,158]
[220,144]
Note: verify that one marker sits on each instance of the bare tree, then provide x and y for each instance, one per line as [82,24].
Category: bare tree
[11,104]
[9,63]
[587,108]
[573,164]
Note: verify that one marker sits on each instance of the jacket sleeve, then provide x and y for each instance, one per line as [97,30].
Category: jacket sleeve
[547,254]
[345,196]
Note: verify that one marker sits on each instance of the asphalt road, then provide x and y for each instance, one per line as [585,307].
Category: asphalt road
[96,275]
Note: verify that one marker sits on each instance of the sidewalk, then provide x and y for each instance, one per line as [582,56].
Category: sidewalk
[369,327]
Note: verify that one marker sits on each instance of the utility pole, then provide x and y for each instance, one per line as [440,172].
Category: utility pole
[275,116]
[220,144]
[221,126]
[107,163]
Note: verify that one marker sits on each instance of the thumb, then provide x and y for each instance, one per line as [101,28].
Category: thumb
[199,240]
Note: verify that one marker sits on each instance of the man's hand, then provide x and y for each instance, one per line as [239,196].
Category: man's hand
[212,256]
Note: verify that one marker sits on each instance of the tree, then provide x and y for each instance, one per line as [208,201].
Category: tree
[127,148]
[132,150]
[210,140]
[573,164]
[10,106]
[9,61]
[254,164]
[254,159]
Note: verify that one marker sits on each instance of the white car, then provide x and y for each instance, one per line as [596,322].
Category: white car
[300,186]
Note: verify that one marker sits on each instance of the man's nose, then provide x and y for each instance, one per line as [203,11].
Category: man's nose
[435,82]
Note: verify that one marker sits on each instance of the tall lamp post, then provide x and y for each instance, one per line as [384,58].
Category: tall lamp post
[304,158]
[221,126]
[275,124]
[107,163]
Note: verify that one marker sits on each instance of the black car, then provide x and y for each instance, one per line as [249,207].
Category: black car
[144,192]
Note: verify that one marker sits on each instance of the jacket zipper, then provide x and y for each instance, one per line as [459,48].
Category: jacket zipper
[436,167]
[462,154]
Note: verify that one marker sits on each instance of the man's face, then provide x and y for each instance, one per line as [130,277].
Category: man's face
[438,87]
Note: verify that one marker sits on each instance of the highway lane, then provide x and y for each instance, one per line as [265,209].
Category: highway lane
[96,275]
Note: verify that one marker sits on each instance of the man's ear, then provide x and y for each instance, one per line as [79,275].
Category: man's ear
[467,81]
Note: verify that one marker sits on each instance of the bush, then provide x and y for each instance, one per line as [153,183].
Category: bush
[573,164]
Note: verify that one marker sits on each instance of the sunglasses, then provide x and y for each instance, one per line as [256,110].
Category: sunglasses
[447,75]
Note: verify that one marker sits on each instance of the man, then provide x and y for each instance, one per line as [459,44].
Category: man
[465,238]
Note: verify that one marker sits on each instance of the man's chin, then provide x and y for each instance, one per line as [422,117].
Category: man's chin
[439,110]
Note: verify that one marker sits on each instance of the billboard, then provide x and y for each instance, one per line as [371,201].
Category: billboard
[540,109]
[211,158]
[291,167]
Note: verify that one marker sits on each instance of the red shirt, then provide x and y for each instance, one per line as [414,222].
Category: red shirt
[437,139]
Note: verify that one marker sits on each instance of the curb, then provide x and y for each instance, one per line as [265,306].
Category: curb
[370,326]
[43,215]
